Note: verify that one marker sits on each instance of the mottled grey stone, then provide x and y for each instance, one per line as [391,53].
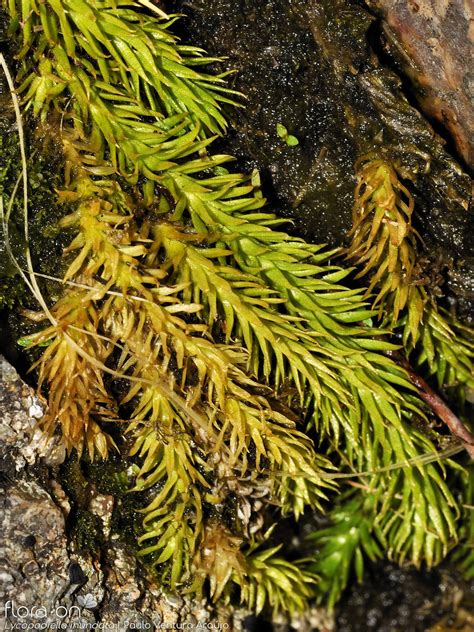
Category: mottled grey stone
[44,579]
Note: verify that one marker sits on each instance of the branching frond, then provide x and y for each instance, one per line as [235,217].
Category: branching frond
[446,350]
[464,555]
[383,242]
[345,357]
[383,246]
[284,586]
[409,512]
[94,46]
[78,399]
[343,545]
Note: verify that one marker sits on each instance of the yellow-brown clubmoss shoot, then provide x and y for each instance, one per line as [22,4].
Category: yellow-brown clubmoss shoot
[383,244]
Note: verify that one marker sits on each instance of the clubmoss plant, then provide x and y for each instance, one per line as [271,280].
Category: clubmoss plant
[255,380]
[383,241]
[384,247]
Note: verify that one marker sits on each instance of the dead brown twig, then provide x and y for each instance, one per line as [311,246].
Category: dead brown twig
[437,405]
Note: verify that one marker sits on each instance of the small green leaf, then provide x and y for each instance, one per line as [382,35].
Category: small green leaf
[281,130]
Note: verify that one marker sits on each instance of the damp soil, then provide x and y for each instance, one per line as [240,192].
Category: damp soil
[392,599]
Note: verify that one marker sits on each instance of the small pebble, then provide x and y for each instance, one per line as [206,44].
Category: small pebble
[175,601]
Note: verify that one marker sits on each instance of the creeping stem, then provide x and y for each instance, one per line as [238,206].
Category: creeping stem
[437,405]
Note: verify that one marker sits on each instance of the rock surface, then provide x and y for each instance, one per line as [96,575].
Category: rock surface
[433,41]
[46,581]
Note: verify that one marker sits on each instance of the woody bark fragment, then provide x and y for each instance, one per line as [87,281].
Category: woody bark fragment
[432,42]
